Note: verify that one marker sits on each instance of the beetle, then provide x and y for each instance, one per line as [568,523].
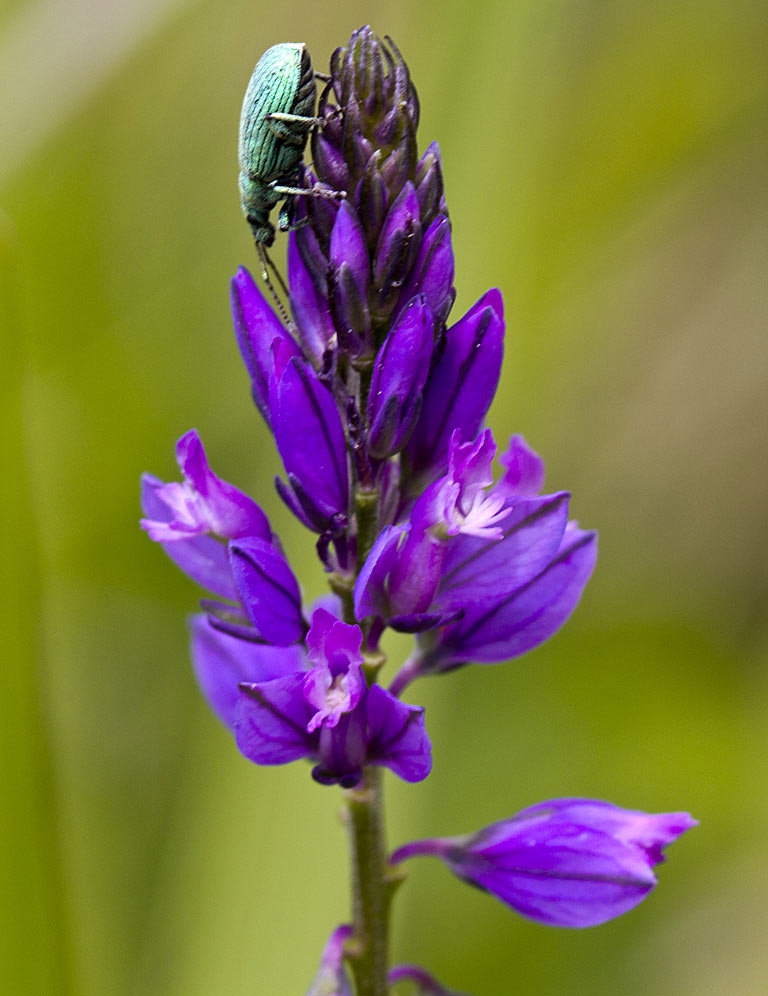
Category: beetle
[276,119]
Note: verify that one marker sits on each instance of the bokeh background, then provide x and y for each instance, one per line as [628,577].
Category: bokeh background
[605,165]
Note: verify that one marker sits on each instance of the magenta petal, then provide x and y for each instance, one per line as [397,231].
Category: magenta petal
[397,736]
[221,662]
[268,589]
[271,719]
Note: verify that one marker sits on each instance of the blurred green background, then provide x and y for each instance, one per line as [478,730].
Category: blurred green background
[605,165]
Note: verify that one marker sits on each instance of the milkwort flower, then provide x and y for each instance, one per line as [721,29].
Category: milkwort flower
[566,862]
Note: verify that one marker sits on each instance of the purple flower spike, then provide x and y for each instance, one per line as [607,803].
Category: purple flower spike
[332,978]
[184,517]
[566,862]
[328,714]
[221,662]
[310,438]
[268,590]
[459,390]
[257,328]
[399,375]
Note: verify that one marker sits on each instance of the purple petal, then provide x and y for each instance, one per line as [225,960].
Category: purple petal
[331,640]
[460,388]
[370,593]
[433,271]
[566,862]
[476,569]
[310,438]
[257,327]
[221,662]
[332,978]
[509,626]
[271,719]
[397,736]
[399,375]
[308,304]
[524,474]
[348,245]
[202,558]
[233,513]
[268,589]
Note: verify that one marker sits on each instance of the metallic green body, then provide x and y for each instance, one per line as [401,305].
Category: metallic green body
[270,150]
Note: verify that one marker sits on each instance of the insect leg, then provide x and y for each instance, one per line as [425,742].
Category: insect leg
[318,190]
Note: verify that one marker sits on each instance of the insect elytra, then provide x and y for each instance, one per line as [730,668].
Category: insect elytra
[277,116]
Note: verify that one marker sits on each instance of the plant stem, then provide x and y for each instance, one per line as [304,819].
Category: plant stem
[372,886]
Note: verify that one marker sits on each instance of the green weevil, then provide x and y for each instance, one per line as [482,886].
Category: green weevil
[277,117]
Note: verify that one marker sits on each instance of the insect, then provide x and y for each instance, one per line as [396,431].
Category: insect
[275,122]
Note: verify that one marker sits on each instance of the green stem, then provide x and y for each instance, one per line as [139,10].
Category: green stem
[372,886]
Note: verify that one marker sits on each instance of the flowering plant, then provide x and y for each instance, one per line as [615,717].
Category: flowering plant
[376,399]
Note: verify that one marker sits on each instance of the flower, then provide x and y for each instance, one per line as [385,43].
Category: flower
[329,714]
[482,573]
[190,518]
[566,862]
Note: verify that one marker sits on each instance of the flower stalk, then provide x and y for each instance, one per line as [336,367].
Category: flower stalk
[373,885]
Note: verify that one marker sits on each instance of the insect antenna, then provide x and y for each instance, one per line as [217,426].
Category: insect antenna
[266,262]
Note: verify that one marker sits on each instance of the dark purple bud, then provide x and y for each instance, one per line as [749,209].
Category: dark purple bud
[309,305]
[397,247]
[400,164]
[348,247]
[257,328]
[371,199]
[268,590]
[349,309]
[429,183]
[566,862]
[221,662]
[459,389]
[328,160]
[313,255]
[310,438]
[399,375]
[432,273]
